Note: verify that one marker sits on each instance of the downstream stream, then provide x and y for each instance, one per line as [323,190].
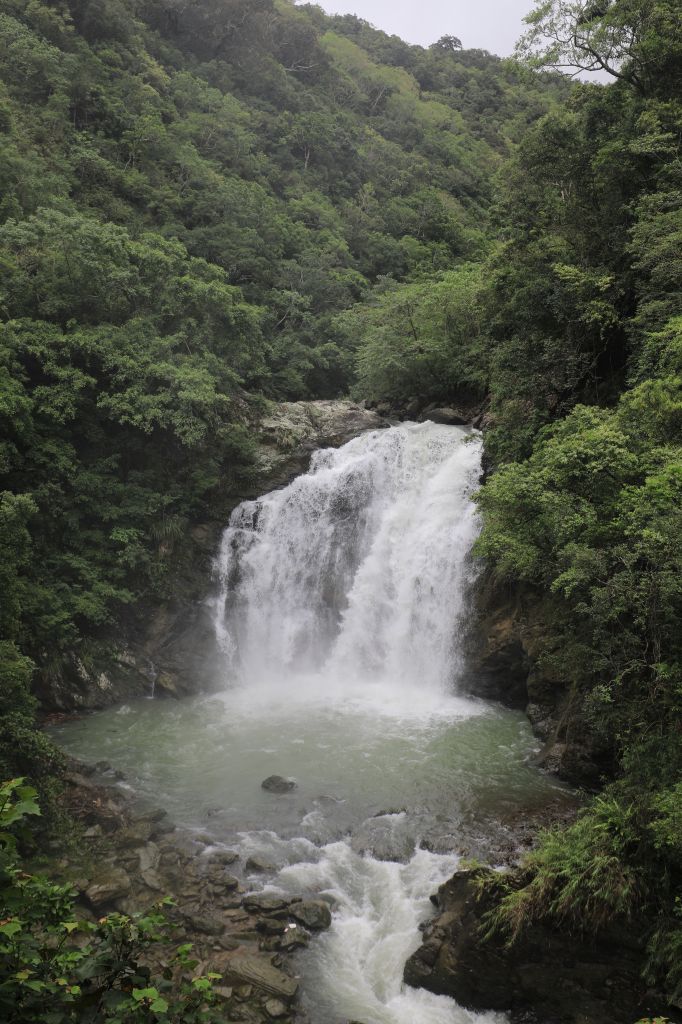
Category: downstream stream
[339,613]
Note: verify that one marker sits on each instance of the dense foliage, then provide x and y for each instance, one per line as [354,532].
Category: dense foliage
[57,967]
[585,507]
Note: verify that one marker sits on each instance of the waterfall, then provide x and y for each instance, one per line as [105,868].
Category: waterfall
[339,610]
[356,571]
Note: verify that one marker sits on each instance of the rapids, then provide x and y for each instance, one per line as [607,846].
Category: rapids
[339,609]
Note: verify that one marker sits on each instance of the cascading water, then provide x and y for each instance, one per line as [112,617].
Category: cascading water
[339,613]
[356,571]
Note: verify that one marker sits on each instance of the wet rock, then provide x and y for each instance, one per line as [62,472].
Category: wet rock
[149,857]
[74,685]
[264,903]
[162,828]
[223,857]
[153,815]
[257,865]
[225,883]
[294,937]
[278,784]
[110,884]
[314,914]
[254,971]
[136,834]
[514,659]
[291,431]
[148,862]
[271,926]
[446,415]
[203,924]
[551,972]
[275,1009]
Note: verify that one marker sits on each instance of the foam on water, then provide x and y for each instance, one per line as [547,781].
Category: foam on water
[355,969]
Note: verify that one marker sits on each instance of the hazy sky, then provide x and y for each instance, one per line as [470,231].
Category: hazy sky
[493,25]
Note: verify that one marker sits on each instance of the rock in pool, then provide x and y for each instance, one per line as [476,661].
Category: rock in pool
[314,914]
[278,784]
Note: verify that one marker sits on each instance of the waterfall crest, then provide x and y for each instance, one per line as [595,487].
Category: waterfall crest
[356,571]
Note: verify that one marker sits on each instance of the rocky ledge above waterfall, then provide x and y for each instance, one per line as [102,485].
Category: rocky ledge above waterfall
[291,431]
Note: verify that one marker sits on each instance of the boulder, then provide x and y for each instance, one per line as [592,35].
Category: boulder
[258,865]
[294,937]
[271,926]
[225,883]
[445,415]
[278,784]
[223,857]
[204,924]
[264,903]
[149,857]
[548,971]
[154,814]
[136,834]
[110,884]
[314,914]
[251,970]
[275,1009]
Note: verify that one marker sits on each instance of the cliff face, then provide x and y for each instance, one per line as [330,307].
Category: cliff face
[511,661]
[167,648]
[553,975]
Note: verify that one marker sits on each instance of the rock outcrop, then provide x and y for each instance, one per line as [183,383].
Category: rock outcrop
[512,661]
[548,975]
[278,784]
[465,409]
[292,431]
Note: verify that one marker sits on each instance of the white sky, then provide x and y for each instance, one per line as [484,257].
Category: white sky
[492,25]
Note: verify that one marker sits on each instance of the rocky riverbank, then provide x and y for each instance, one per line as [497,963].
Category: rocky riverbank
[549,975]
[128,857]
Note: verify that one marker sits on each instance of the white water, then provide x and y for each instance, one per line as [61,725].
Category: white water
[356,571]
[340,613]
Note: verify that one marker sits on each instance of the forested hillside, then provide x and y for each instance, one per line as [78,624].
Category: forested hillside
[207,205]
[583,323]
[191,195]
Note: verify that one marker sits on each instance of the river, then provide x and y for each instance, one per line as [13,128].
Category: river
[340,604]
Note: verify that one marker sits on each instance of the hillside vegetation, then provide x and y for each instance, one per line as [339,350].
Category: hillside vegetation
[583,327]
